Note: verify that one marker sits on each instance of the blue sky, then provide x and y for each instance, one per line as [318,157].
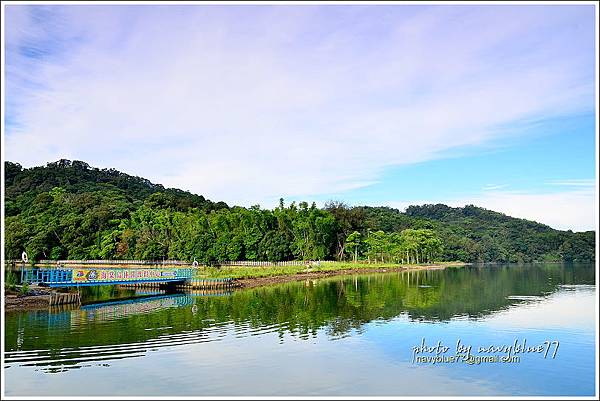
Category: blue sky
[545,160]
[380,105]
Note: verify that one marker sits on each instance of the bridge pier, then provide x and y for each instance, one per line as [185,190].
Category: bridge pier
[63,299]
[207,283]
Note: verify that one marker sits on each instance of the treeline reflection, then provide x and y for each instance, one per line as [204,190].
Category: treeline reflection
[340,305]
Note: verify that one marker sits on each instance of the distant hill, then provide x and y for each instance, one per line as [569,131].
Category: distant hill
[476,234]
[68,209]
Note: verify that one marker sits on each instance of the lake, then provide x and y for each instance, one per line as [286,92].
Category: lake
[349,335]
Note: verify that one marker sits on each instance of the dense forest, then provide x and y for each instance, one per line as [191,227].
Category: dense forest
[70,210]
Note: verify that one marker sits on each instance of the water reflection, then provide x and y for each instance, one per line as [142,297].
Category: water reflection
[341,307]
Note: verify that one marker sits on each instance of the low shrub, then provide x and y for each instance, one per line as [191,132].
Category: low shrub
[24,290]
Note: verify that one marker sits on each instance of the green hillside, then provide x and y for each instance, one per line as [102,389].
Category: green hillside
[70,210]
[475,234]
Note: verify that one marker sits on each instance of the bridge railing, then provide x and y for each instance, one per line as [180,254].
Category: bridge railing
[116,262]
[47,276]
[56,276]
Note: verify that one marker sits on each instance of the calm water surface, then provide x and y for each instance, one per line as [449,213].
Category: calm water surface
[351,335]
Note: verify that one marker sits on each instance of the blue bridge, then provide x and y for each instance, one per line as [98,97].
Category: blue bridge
[77,277]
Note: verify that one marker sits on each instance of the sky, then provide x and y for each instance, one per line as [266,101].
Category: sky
[491,105]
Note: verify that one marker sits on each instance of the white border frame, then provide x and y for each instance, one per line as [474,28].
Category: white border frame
[291,3]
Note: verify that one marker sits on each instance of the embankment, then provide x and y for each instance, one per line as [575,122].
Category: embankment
[250,282]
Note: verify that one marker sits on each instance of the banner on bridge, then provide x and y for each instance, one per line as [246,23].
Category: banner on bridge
[91,275]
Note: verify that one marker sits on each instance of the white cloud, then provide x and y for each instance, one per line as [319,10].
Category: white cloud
[574,183]
[493,187]
[568,210]
[560,309]
[248,104]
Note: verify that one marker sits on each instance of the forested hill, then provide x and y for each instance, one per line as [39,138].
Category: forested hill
[70,210]
[23,185]
[472,233]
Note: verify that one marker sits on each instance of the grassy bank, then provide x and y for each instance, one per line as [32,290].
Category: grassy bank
[242,272]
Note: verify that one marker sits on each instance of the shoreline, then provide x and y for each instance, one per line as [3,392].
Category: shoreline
[40,300]
[36,301]
[254,282]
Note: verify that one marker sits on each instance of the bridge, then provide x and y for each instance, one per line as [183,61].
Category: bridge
[78,277]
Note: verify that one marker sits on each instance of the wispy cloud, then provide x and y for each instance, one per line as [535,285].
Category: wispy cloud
[493,187]
[249,103]
[574,183]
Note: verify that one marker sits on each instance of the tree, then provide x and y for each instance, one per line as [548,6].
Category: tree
[274,247]
[348,219]
[376,242]
[353,242]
